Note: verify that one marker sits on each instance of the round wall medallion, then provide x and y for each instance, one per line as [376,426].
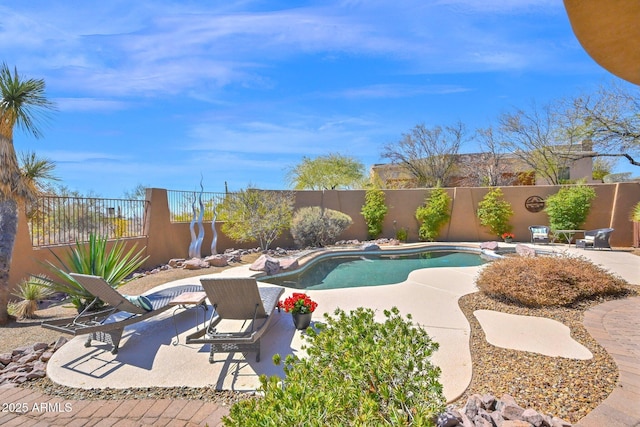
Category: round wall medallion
[534,204]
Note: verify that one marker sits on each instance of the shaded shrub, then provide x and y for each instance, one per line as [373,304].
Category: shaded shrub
[317,227]
[547,281]
[357,372]
[433,214]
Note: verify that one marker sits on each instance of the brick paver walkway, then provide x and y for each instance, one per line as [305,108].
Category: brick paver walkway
[616,326]
[25,407]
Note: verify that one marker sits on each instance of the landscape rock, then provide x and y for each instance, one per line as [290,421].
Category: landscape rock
[176,262]
[487,411]
[217,260]
[195,264]
[27,363]
[491,246]
[525,251]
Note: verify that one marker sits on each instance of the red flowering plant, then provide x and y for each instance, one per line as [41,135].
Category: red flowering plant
[298,303]
[507,236]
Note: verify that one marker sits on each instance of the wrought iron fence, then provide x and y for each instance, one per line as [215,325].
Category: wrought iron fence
[57,220]
[183,203]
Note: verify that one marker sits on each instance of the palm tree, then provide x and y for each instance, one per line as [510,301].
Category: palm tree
[23,103]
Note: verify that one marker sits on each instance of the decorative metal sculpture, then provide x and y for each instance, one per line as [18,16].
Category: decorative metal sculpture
[195,249]
[192,246]
[214,241]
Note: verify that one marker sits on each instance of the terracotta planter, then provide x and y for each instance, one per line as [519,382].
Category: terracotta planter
[301,320]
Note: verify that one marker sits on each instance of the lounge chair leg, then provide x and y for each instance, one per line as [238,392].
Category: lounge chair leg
[211,355]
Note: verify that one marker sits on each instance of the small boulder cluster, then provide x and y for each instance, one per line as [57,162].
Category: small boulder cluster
[27,363]
[488,411]
[271,265]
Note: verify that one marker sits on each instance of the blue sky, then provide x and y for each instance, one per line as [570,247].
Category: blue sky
[161,92]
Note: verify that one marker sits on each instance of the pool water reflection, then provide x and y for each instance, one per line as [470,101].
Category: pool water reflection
[342,271]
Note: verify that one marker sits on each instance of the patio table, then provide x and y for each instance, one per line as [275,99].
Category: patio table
[566,234]
[187,301]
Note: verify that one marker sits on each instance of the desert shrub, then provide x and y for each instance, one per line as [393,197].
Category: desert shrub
[317,227]
[494,212]
[547,281]
[254,215]
[94,258]
[357,372]
[30,291]
[433,214]
[568,208]
[374,211]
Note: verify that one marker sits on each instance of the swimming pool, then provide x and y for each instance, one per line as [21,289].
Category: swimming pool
[370,269]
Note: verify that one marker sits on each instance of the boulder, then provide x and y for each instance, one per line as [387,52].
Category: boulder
[176,262]
[288,264]
[195,264]
[491,246]
[217,260]
[525,251]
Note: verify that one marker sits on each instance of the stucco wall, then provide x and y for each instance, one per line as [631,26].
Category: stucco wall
[165,240]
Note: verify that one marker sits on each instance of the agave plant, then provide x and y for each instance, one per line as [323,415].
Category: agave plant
[114,265]
[31,291]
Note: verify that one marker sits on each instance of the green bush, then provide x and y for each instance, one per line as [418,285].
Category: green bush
[433,214]
[402,234]
[357,372]
[547,281]
[317,227]
[568,208]
[494,212]
[374,211]
[93,258]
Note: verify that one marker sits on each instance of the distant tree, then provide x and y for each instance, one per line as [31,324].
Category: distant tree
[602,167]
[611,120]
[328,172]
[139,192]
[428,154]
[490,167]
[255,215]
[545,139]
[23,103]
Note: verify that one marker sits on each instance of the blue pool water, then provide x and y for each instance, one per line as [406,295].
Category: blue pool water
[369,270]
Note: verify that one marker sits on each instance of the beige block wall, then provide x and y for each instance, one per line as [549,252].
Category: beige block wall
[164,240]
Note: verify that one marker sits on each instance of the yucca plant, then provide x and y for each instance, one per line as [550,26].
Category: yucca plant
[114,265]
[31,291]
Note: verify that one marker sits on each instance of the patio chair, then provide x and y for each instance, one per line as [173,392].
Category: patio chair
[539,233]
[597,239]
[108,325]
[237,298]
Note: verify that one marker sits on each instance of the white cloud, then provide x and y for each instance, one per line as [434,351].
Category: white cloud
[89,104]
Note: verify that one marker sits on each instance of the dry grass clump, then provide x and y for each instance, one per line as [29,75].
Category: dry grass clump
[547,281]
